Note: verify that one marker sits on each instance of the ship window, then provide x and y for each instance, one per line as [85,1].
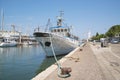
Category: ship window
[61,30]
[58,30]
[55,30]
[65,30]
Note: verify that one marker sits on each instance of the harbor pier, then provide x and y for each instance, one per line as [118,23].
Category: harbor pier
[90,62]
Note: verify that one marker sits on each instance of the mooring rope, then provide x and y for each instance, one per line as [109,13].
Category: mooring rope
[58,64]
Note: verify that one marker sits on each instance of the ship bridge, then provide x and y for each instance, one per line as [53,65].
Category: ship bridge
[60,30]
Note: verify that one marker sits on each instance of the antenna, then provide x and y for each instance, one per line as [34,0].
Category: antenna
[60,19]
[61,13]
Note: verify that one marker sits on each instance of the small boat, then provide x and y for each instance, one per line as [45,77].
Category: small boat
[5,39]
[59,37]
[30,42]
[8,42]
[25,43]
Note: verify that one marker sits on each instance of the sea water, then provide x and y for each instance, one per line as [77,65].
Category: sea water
[23,62]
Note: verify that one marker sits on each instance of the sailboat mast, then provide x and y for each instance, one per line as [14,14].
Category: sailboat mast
[2,21]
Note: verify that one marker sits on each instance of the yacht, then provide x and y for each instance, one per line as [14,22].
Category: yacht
[8,42]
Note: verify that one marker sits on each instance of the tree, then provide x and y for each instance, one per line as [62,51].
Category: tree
[113,31]
[110,33]
[97,34]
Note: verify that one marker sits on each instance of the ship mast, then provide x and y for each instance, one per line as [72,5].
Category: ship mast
[48,25]
[59,21]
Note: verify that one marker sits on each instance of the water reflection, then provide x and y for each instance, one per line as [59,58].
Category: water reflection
[23,62]
[46,63]
[20,63]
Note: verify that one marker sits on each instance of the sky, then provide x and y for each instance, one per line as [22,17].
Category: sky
[83,15]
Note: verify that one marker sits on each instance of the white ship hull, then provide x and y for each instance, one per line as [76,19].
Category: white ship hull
[8,44]
[61,45]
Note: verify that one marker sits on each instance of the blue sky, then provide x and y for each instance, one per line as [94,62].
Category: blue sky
[83,15]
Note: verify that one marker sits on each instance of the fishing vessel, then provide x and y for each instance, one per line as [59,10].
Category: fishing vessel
[58,37]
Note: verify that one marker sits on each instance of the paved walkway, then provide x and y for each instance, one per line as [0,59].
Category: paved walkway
[92,63]
[84,66]
[109,62]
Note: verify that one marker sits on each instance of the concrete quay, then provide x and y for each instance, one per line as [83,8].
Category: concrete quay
[90,62]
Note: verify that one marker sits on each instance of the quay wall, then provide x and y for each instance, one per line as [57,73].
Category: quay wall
[49,70]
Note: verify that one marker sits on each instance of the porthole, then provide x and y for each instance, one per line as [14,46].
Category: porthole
[47,44]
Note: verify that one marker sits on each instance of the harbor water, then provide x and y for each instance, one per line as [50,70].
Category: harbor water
[23,62]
